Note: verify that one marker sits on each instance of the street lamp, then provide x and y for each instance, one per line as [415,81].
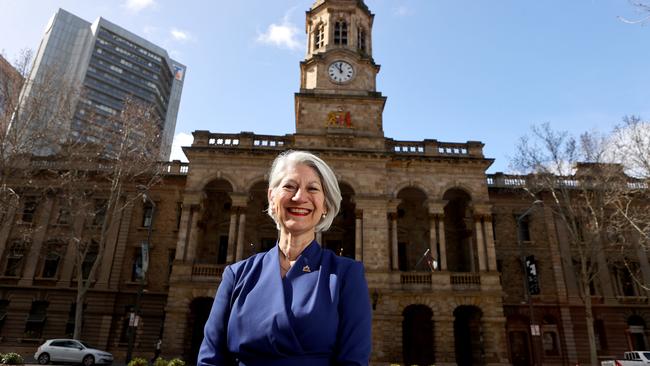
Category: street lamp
[145,264]
[534,328]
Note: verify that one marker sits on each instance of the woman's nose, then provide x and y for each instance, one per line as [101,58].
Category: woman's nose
[299,196]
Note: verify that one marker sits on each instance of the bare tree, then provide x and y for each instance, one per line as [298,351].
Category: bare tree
[581,188]
[29,125]
[100,181]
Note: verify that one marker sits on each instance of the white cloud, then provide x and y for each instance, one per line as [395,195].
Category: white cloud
[180,139]
[284,35]
[138,5]
[180,35]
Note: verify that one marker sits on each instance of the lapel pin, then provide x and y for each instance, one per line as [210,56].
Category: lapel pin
[306,269]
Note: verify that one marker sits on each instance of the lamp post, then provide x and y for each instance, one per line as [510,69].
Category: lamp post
[134,324]
[534,328]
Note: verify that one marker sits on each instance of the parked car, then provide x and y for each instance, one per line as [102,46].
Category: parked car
[632,358]
[71,350]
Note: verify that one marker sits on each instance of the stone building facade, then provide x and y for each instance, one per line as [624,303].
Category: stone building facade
[436,234]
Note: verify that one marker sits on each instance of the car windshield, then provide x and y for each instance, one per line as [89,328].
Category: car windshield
[86,344]
[646,355]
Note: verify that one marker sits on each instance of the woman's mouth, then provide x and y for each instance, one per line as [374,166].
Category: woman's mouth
[299,211]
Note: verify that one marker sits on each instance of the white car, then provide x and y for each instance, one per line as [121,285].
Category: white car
[71,350]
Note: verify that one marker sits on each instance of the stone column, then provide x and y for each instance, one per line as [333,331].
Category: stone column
[489,243]
[70,257]
[31,261]
[240,236]
[480,245]
[392,224]
[358,235]
[443,244]
[232,229]
[392,217]
[7,223]
[192,242]
[433,238]
[643,261]
[189,208]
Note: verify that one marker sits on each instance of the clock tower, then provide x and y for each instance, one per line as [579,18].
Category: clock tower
[338,105]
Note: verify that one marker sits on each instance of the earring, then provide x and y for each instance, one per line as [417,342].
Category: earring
[324,214]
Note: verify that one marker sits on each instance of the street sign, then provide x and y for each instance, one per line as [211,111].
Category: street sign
[534,330]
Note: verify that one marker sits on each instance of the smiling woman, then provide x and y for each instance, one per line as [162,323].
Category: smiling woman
[297,304]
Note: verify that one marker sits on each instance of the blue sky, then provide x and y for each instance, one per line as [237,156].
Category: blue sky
[453,70]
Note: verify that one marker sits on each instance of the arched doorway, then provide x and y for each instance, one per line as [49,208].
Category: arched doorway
[458,232]
[340,238]
[198,315]
[519,344]
[412,229]
[261,232]
[417,335]
[213,224]
[636,329]
[468,336]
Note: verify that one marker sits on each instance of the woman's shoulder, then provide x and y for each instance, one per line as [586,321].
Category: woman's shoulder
[245,265]
[340,263]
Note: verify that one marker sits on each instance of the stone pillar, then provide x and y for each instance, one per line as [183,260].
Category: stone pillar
[7,223]
[240,236]
[239,201]
[189,210]
[489,243]
[394,253]
[358,235]
[443,244]
[433,238]
[117,238]
[232,229]
[192,241]
[480,245]
[643,260]
[31,261]
[69,259]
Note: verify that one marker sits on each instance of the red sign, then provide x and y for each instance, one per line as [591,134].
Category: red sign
[339,119]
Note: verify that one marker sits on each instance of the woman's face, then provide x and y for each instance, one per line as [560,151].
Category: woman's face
[298,202]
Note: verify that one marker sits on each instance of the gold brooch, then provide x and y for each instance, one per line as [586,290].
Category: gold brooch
[306,269]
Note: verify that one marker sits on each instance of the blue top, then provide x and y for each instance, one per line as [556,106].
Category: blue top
[318,314]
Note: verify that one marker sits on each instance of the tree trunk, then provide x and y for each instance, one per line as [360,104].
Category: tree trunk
[79,306]
[589,319]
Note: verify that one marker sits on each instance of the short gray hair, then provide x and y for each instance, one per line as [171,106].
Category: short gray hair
[328,180]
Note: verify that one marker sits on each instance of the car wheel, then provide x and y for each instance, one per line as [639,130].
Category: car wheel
[88,360]
[44,359]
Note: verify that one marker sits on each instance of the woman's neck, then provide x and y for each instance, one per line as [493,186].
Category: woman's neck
[291,245]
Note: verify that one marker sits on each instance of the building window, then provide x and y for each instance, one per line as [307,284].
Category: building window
[624,279]
[14,264]
[361,39]
[179,212]
[137,272]
[52,259]
[319,36]
[89,259]
[147,214]
[124,332]
[550,342]
[4,306]
[100,212]
[599,333]
[36,319]
[341,33]
[29,209]
[524,229]
[171,256]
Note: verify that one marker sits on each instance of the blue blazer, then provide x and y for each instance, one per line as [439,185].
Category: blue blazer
[318,314]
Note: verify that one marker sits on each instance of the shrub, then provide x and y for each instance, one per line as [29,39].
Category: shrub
[12,358]
[160,362]
[176,362]
[137,361]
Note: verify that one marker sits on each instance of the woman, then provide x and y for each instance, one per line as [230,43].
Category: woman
[296,304]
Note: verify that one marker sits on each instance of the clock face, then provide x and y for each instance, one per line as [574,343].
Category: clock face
[340,71]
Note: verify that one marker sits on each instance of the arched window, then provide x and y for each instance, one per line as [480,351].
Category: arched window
[341,33]
[319,36]
[361,39]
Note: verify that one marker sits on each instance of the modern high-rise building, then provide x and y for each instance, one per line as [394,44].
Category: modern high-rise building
[110,64]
